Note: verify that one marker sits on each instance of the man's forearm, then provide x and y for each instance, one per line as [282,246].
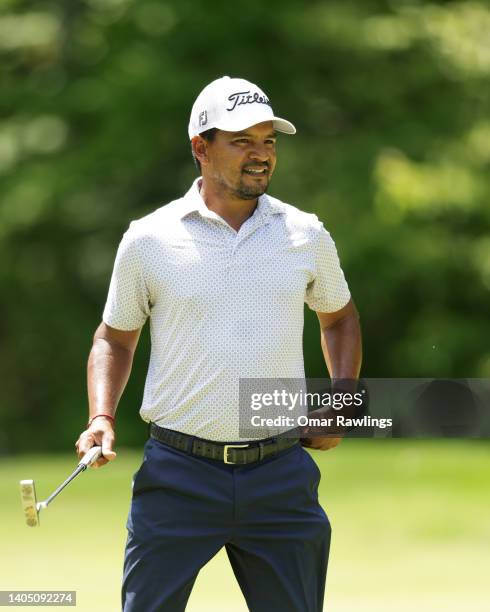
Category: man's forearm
[108,369]
[342,349]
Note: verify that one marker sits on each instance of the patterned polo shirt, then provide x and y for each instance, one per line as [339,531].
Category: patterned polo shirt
[222,304]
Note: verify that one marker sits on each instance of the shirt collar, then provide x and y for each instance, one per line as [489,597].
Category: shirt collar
[193,202]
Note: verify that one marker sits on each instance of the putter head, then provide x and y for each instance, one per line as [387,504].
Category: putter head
[29,502]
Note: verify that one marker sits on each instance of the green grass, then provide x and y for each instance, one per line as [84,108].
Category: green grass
[411,529]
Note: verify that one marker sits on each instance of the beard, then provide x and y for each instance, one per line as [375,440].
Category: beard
[246,191]
[243,189]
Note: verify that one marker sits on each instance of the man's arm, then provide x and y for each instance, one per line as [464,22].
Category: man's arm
[341,341]
[342,349]
[108,369]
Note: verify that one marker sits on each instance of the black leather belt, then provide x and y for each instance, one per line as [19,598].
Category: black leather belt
[239,453]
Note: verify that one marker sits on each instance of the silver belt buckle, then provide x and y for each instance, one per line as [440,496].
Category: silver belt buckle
[225,451]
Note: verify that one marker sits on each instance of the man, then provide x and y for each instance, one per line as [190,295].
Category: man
[223,274]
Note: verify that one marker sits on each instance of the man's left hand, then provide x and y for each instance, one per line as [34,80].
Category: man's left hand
[320,443]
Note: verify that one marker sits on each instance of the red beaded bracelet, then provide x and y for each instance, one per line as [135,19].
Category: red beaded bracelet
[102,414]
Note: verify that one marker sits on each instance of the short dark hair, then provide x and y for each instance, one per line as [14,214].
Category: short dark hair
[209,136]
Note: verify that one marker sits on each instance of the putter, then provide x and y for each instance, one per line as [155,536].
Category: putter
[28,491]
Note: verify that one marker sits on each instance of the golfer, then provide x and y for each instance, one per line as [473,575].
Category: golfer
[222,273]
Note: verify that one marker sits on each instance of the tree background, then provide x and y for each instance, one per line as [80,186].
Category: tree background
[391,99]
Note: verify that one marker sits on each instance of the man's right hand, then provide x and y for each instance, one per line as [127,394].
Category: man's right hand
[100,433]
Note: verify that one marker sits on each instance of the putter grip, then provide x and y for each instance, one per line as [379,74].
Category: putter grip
[91,456]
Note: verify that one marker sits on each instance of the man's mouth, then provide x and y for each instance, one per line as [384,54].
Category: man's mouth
[256,171]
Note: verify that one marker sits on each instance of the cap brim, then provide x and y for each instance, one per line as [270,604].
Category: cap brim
[284,126]
[242,123]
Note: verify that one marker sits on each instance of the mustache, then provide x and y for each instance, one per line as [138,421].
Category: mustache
[261,166]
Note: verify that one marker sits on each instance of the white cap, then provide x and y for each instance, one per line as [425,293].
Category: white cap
[233,105]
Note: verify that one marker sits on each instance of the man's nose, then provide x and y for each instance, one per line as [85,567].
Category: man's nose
[259,153]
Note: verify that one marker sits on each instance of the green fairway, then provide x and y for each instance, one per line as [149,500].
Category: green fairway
[411,529]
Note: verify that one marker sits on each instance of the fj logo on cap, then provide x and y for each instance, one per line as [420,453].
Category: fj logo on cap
[203,118]
[245,97]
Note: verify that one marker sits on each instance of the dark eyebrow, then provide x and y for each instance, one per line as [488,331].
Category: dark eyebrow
[245,133]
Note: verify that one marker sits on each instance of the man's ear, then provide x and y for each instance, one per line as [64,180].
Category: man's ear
[200,149]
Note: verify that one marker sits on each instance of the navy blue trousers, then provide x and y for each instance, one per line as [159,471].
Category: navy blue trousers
[184,509]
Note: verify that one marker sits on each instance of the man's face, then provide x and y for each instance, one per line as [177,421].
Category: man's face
[242,162]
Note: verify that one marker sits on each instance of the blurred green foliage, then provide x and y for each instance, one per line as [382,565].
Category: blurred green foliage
[391,99]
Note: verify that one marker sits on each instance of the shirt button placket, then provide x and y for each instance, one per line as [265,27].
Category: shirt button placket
[230,248]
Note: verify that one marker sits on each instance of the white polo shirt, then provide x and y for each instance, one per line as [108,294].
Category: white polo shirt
[222,304]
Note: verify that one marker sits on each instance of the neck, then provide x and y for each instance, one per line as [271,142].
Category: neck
[232,209]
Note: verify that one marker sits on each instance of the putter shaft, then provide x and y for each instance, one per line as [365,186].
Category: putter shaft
[28,491]
[46,502]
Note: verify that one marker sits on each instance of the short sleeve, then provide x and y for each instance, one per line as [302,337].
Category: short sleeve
[328,291]
[128,301]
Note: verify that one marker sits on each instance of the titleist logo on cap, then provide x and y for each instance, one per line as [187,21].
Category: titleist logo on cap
[245,97]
